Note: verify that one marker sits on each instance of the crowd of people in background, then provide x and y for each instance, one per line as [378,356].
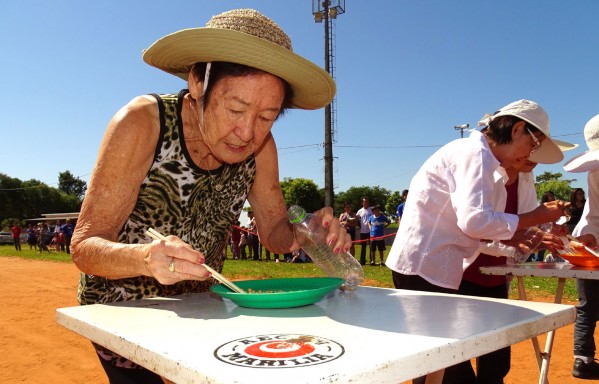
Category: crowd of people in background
[45,236]
[244,243]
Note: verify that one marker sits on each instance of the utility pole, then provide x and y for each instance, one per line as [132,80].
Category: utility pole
[327,11]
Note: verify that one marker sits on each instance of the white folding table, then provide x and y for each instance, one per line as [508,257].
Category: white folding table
[561,271]
[371,335]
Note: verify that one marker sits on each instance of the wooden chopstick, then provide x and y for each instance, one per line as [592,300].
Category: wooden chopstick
[158,236]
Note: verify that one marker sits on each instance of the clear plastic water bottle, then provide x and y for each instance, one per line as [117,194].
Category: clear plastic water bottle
[534,236]
[311,235]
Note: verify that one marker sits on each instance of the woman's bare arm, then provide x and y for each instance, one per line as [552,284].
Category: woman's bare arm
[268,205]
[124,158]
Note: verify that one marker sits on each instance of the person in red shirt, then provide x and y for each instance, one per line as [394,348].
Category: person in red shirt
[16,236]
[235,237]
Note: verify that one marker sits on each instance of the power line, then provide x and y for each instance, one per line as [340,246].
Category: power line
[395,146]
[303,148]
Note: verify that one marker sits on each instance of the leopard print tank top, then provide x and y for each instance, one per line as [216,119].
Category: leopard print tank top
[177,198]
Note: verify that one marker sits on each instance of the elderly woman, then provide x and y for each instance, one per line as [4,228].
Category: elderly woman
[185,164]
[453,199]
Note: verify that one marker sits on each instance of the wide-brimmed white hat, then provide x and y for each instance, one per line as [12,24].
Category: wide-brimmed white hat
[589,160]
[549,152]
[244,36]
[564,145]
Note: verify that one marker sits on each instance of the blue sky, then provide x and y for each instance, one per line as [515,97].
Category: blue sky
[407,72]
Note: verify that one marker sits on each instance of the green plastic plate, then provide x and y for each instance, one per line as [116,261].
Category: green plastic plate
[280,293]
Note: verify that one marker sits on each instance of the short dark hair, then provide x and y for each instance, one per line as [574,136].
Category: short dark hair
[221,69]
[500,128]
[547,196]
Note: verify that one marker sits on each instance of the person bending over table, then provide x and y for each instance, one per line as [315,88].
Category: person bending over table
[521,197]
[184,164]
[451,205]
[587,233]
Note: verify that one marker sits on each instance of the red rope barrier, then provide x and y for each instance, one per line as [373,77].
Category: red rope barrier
[355,241]
[374,238]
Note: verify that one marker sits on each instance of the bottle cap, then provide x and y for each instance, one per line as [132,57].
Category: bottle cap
[296,214]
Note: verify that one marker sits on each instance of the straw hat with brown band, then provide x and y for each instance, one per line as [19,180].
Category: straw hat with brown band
[244,36]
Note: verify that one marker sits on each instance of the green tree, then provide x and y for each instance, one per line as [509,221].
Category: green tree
[546,176]
[29,199]
[11,196]
[392,203]
[7,224]
[303,192]
[71,185]
[375,195]
[560,188]
[549,176]
[552,182]
[549,181]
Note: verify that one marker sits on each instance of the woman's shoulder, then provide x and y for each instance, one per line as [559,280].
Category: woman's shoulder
[140,106]
[141,113]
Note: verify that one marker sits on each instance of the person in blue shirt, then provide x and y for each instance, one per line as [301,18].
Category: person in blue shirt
[399,212]
[67,230]
[377,223]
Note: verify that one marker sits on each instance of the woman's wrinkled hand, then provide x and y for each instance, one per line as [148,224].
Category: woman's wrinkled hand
[560,229]
[525,240]
[553,243]
[172,260]
[337,238]
[553,210]
[582,241]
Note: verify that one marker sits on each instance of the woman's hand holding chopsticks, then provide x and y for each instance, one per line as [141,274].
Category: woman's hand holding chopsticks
[172,260]
[173,266]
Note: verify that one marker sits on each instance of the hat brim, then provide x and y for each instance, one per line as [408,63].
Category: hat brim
[564,145]
[585,162]
[548,153]
[176,53]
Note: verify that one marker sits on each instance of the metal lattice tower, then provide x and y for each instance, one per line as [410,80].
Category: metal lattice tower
[332,67]
[327,11]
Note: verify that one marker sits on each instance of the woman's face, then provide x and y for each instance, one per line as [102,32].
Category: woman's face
[524,143]
[240,114]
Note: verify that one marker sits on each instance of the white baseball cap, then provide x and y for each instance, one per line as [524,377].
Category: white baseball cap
[549,152]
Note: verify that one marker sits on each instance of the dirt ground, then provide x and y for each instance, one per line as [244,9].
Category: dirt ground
[35,349]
